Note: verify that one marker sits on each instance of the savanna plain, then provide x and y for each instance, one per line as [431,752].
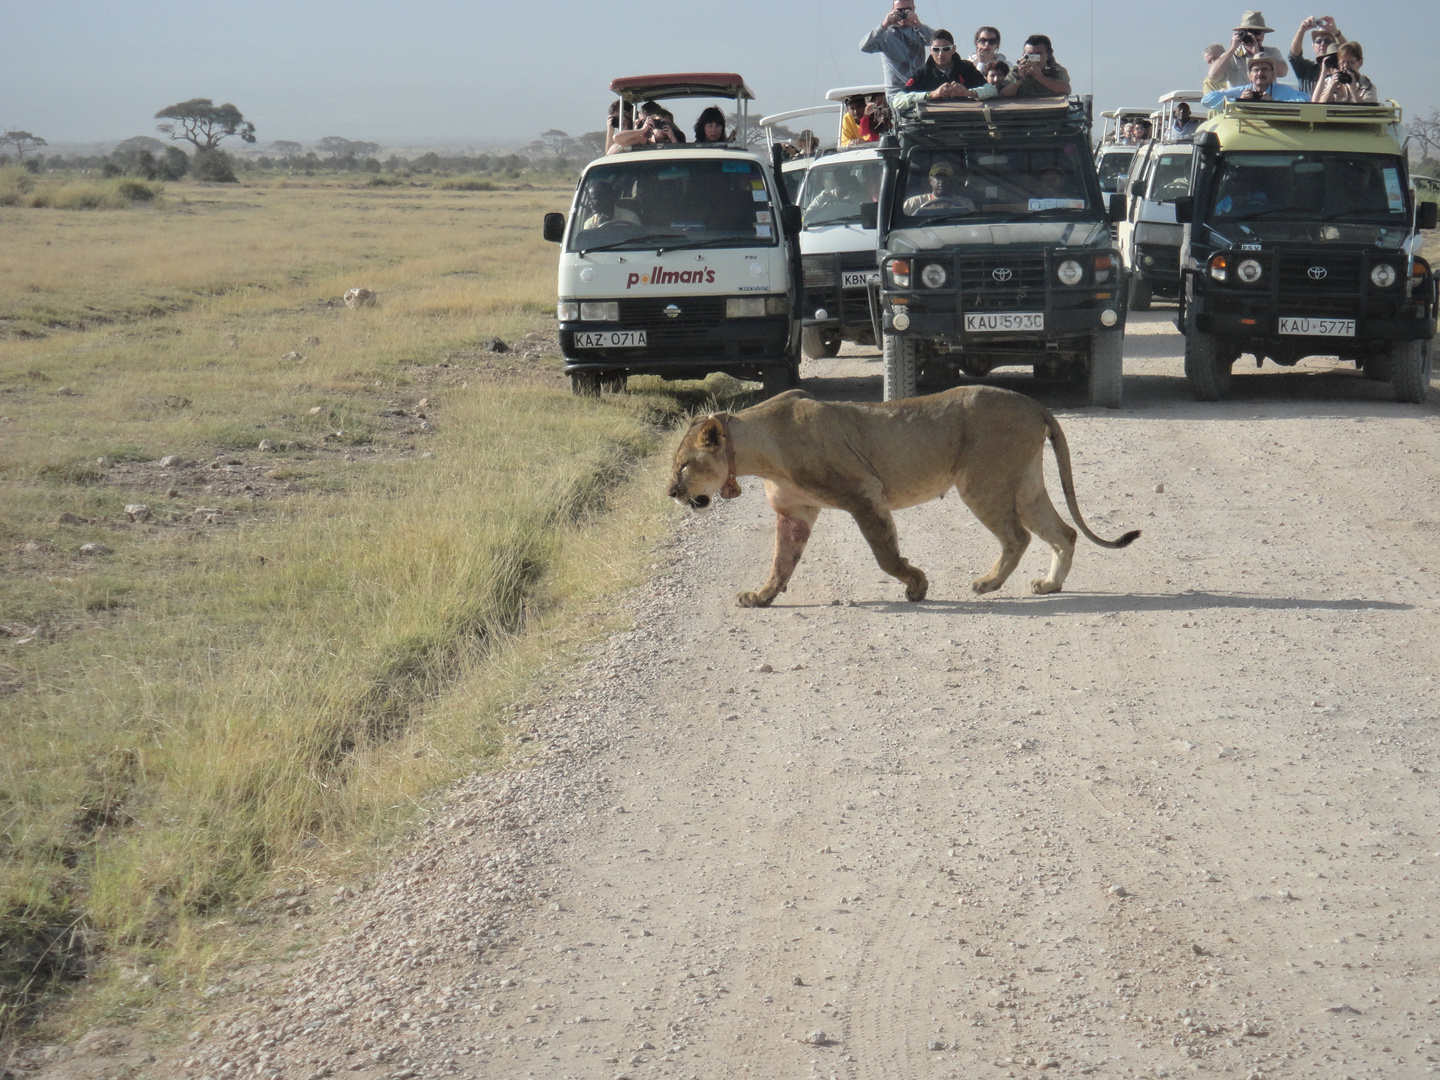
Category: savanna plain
[426,741]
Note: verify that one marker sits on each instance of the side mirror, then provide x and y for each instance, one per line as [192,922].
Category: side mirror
[870,215]
[1115,208]
[790,219]
[1427,214]
[1185,209]
[554,228]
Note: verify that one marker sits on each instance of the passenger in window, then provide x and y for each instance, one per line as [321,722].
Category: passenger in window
[943,194]
[850,120]
[612,122]
[1323,35]
[656,129]
[1182,125]
[1247,41]
[1143,131]
[1341,82]
[878,119]
[1262,86]
[987,50]
[945,76]
[901,40]
[1036,73]
[1210,55]
[710,127]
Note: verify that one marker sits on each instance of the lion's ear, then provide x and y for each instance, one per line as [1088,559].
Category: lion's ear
[710,434]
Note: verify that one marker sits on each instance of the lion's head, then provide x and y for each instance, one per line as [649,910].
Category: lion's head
[704,464]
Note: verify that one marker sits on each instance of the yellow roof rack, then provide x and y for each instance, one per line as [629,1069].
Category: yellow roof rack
[1307,112]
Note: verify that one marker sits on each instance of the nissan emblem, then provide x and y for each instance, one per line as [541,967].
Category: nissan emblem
[672,311]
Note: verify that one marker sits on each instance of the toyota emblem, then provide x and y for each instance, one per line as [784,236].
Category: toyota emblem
[672,311]
[1003,273]
[1317,273]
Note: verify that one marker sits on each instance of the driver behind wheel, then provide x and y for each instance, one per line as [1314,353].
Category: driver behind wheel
[598,205]
[944,193]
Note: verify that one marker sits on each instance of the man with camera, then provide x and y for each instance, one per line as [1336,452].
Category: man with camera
[1037,73]
[946,76]
[1323,35]
[1262,86]
[658,127]
[1247,41]
[901,40]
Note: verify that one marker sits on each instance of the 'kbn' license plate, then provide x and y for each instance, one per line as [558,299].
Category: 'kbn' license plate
[988,322]
[858,279]
[609,339]
[1303,327]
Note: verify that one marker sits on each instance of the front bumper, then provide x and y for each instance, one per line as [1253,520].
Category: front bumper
[738,346]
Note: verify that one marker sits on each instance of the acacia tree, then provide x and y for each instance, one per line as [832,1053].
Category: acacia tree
[555,141]
[22,141]
[1425,130]
[201,122]
[337,147]
[287,148]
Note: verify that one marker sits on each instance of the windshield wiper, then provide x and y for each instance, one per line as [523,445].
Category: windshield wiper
[720,241]
[647,238]
[1368,217]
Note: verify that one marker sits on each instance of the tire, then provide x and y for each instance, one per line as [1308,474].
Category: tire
[1410,375]
[1206,367]
[832,342]
[820,343]
[775,380]
[900,368]
[1140,294]
[1377,367]
[1106,379]
[585,384]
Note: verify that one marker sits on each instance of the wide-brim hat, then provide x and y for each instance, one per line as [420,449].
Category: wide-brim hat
[1277,66]
[1330,50]
[1253,20]
[1321,31]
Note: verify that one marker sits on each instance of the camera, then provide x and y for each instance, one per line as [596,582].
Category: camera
[1344,78]
[1247,38]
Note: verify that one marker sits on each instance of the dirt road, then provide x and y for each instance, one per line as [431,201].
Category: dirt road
[1181,818]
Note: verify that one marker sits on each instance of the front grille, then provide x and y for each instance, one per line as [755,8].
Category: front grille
[697,314]
[1003,283]
[1160,263]
[1303,291]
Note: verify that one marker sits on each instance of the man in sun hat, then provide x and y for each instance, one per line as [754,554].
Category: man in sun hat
[1262,86]
[1246,41]
[1324,34]
[944,193]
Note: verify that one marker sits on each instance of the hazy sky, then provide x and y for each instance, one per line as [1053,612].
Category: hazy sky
[439,72]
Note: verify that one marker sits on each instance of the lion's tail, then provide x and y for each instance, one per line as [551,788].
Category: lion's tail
[1067,482]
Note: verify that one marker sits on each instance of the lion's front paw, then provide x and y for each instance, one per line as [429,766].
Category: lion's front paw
[752,599]
[1041,586]
[915,590]
[982,585]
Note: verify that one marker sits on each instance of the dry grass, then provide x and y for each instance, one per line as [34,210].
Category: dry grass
[213,706]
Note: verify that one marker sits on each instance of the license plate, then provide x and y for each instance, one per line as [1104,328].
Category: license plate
[858,279]
[997,321]
[1302,327]
[609,339]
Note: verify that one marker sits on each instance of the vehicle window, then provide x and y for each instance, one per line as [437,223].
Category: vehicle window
[834,192]
[1112,168]
[1309,187]
[794,180]
[995,184]
[1170,178]
[657,201]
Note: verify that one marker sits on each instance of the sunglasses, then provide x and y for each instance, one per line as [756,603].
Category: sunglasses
[942,48]
[987,41]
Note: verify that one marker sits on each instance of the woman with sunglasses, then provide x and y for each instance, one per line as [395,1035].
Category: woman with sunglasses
[987,49]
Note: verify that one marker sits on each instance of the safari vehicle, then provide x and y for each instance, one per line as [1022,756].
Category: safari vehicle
[792,170]
[837,253]
[1301,239]
[1149,236]
[1113,158]
[995,249]
[679,260]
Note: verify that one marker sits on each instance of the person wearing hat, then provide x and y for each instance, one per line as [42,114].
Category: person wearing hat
[944,193]
[1323,35]
[1262,86]
[1340,80]
[1246,41]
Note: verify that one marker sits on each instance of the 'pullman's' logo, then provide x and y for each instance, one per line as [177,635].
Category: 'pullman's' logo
[658,275]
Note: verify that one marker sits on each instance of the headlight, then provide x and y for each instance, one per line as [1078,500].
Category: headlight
[934,276]
[777,305]
[567,311]
[600,311]
[1382,275]
[899,273]
[1220,267]
[1249,271]
[818,272]
[1070,272]
[744,307]
[1104,267]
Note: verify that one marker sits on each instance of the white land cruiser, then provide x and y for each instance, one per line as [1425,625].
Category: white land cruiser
[679,260]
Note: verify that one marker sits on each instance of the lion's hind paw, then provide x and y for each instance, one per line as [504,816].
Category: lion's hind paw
[1041,586]
[752,599]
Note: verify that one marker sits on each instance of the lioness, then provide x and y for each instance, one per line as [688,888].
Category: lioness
[868,460]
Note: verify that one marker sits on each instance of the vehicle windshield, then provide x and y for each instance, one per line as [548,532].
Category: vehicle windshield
[985,184]
[1169,177]
[1308,187]
[834,192]
[652,200]
[1114,168]
[794,180]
